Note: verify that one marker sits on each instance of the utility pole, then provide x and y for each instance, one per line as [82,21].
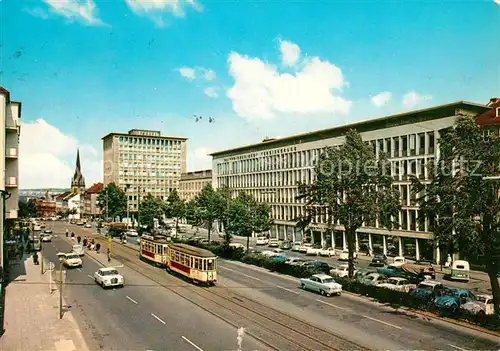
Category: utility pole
[127,186]
[41,256]
[138,203]
[107,197]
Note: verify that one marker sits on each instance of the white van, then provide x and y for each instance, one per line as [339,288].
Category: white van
[460,270]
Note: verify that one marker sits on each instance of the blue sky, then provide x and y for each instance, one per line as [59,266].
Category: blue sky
[86,68]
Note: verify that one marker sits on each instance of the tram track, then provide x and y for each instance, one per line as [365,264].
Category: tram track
[274,328]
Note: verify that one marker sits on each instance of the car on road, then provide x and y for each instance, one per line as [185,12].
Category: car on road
[132,232]
[78,249]
[48,231]
[398,284]
[379,260]
[273,243]
[344,255]
[262,240]
[327,252]
[303,248]
[313,250]
[321,283]
[71,260]
[296,246]
[80,224]
[286,245]
[46,238]
[88,225]
[341,271]
[108,276]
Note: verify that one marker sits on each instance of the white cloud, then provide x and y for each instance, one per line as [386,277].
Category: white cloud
[290,52]
[83,10]
[211,92]
[209,75]
[381,99]
[188,73]
[199,159]
[37,12]
[412,99]
[155,7]
[260,91]
[49,161]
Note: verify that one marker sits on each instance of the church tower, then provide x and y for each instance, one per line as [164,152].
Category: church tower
[78,182]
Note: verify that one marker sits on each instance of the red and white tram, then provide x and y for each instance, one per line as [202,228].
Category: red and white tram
[197,264]
[154,249]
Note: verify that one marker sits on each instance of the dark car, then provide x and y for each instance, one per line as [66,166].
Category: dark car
[286,245]
[379,260]
[318,266]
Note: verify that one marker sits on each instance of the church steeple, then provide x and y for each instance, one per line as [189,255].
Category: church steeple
[78,182]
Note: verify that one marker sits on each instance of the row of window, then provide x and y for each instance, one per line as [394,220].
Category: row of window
[194,185]
[202,264]
[149,141]
[145,165]
[148,174]
[148,156]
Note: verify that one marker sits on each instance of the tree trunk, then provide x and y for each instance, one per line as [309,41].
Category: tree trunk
[248,242]
[350,233]
[492,270]
[209,230]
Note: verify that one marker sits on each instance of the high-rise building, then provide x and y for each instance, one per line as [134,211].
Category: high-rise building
[143,162]
[10,113]
[192,183]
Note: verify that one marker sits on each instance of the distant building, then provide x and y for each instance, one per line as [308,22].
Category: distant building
[10,114]
[46,208]
[90,204]
[143,162]
[78,181]
[192,183]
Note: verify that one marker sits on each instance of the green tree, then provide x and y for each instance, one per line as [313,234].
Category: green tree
[175,207]
[210,204]
[353,187]
[150,208]
[193,214]
[114,200]
[225,198]
[246,216]
[27,209]
[460,199]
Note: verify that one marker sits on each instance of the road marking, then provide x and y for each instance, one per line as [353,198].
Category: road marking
[227,269]
[331,305]
[91,277]
[78,269]
[192,344]
[456,347]
[158,318]
[131,299]
[378,320]
[289,290]
[243,274]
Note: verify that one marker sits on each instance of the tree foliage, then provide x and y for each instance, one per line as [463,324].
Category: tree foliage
[210,204]
[150,208]
[246,216]
[27,209]
[464,206]
[352,186]
[114,199]
[193,213]
[175,207]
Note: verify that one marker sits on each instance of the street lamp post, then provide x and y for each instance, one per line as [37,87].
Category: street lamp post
[127,186]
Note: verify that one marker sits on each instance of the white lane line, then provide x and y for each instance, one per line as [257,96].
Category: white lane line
[131,299]
[456,347]
[78,269]
[243,274]
[227,269]
[91,277]
[158,318]
[331,305]
[378,320]
[192,344]
[289,290]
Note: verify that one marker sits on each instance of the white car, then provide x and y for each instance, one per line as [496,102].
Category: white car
[313,251]
[108,276]
[398,261]
[262,240]
[270,253]
[88,225]
[273,243]
[398,284]
[48,231]
[132,232]
[303,248]
[328,252]
[78,249]
[322,283]
[344,255]
[72,260]
[296,246]
[46,238]
[342,271]
[483,304]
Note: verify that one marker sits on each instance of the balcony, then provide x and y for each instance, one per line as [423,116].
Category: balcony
[12,126]
[11,182]
[11,152]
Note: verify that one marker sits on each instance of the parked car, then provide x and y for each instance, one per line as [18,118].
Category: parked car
[108,276]
[286,245]
[279,258]
[327,252]
[132,232]
[374,279]
[460,270]
[262,240]
[398,261]
[341,271]
[313,250]
[344,255]
[296,246]
[317,266]
[88,225]
[398,284]
[450,300]
[428,290]
[321,283]
[482,305]
[303,248]
[273,243]
[295,261]
[270,253]
[391,271]
[379,260]
[426,270]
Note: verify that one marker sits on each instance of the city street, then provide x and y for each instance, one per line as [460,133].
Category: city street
[348,315]
[142,315]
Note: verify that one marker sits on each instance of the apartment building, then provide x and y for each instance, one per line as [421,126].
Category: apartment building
[143,162]
[271,169]
[90,203]
[10,114]
[191,183]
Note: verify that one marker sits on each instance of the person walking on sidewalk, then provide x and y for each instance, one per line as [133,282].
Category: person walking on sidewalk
[109,255]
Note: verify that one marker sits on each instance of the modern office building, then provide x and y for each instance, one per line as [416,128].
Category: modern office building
[271,169]
[143,162]
[10,114]
[192,183]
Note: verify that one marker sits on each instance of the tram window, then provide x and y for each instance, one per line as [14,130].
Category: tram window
[204,265]
[196,264]
[210,265]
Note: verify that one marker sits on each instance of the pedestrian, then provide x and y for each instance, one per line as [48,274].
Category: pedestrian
[85,242]
[98,247]
[67,233]
[79,238]
[109,255]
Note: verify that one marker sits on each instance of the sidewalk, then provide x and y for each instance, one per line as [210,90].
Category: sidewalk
[32,314]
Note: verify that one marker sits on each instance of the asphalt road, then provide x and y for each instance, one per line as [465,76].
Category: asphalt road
[371,324]
[142,315]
